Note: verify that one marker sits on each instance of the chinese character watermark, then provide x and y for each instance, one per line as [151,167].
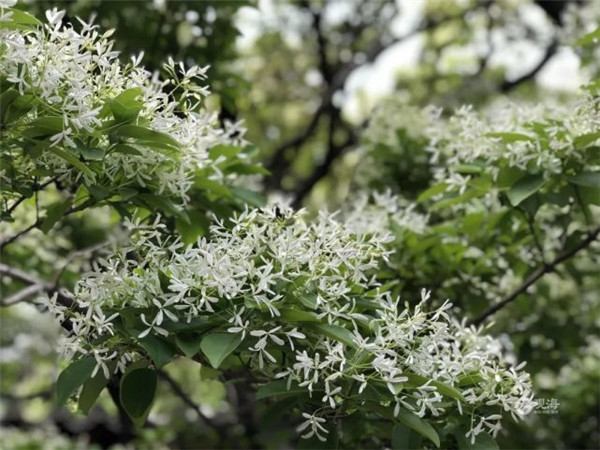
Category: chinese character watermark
[546,406]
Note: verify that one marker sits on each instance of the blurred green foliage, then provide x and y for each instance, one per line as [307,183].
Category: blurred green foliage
[276,85]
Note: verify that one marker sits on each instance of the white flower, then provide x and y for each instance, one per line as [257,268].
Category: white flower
[55,17]
[7,3]
[316,428]
[152,326]
[329,394]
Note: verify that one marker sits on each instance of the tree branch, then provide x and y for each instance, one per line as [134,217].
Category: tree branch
[32,281]
[536,275]
[190,403]
[508,86]
[38,222]
[334,150]
[36,188]
[279,163]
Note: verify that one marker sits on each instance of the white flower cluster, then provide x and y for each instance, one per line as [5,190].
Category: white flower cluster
[540,136]
[288,286]
[394,114]
[377,213]
[72,76]
[543,137]
[433,347]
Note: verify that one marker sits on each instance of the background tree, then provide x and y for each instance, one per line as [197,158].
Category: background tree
[500,236]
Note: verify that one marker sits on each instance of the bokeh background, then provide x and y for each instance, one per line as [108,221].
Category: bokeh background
[307,79]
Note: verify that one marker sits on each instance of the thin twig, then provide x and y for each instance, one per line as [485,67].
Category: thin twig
[41,285]
[38,222]
[22,295]
[84,251]
[278,163]
[36,188]
[536,275]
[548,54]
[189,402]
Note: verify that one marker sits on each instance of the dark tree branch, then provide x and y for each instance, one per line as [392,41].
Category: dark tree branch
[36,188]
[190,403]
[279,163]
[554,9]
[536,275]
[22,295]
[127,432]
[37,223]
[333,152]
[40,285]
[508,86]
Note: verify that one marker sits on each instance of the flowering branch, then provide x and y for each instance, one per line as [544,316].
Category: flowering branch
[539,273]
[189,402]
[35,285]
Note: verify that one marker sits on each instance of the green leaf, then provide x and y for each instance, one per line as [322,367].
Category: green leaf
[456,200]
[44,126]
[589,195]
[197,226]
[247,169]
[148,137]
[433,190]
[92,154]
[20,20]
[483,441]
[5,100]
[98,192]
[138,389]
[335,332]
[419,425]
[588,39]
[249,197]
[20,16]
[54,214]
[229,151]
[72,160]
[278,388]
[218,346]
[159,349]
[586,139]
[508,176]
[73,377]
[588,179]
[404,438]
[162,202]
[189,343]
[297,315]
[126,150]
[91,390]
[202,182]
[17,107]
[444,389]
[469,379]
[197,324]
[524,188]
[469,169]
[125,106]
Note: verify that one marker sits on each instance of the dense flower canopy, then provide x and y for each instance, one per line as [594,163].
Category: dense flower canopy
[333,316]
[277,288]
